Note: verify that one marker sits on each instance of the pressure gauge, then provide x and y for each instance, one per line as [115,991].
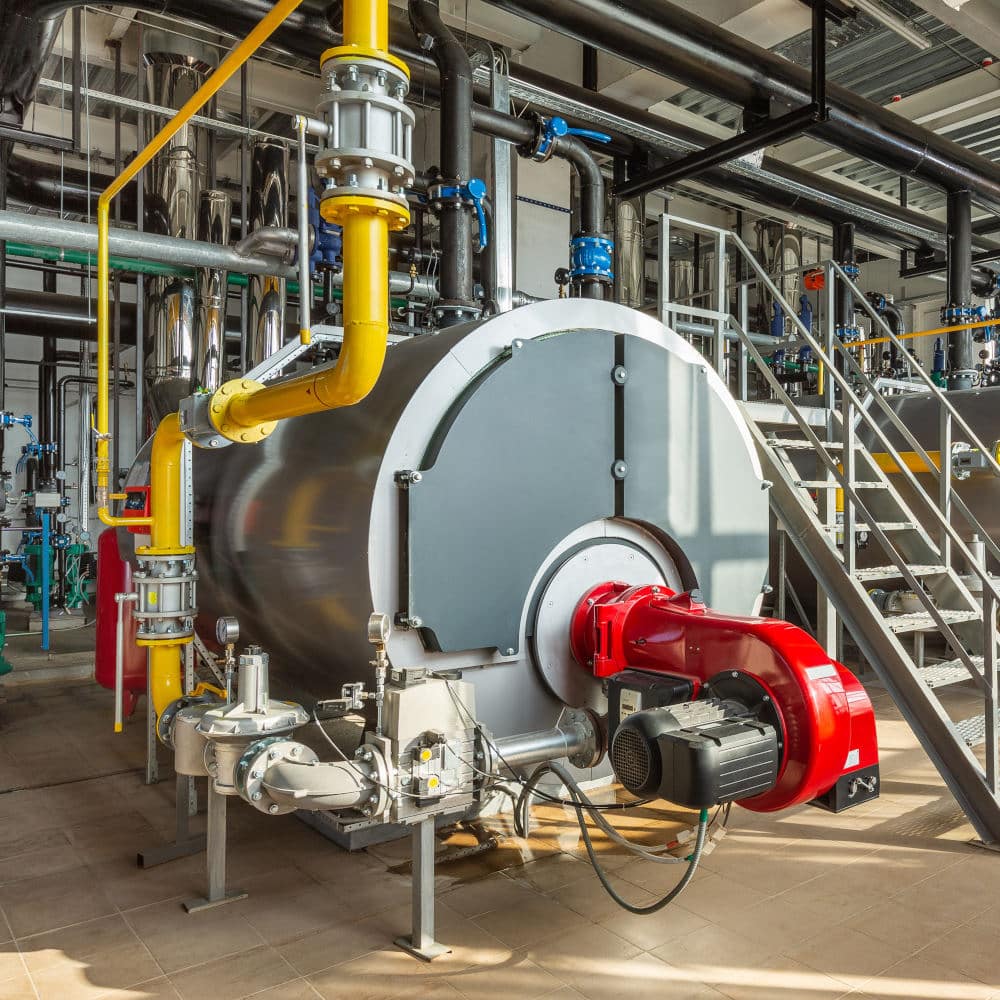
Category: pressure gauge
[378,629]
[227,631]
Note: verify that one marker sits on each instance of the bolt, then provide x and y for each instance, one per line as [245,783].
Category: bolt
[767,589]
[256,775]
[273,808]
[518,344]
[619,375]
[766,484]
[590,601]
[256,796]
[510,651]
[734,673]
[655,590]
[272,754]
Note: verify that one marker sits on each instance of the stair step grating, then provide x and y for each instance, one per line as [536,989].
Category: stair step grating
[883,525]
[894,572]
[972,731]
[832,484]
[939,675]
[800,444]
[923,621]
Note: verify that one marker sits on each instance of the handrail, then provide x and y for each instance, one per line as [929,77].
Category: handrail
[838,377]
[239,55]
[848,488]
[922,375]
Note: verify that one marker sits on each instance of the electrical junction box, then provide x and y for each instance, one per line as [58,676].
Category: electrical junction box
[633,691]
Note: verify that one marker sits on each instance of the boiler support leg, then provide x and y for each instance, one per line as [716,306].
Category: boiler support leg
[217,894]
[421,941]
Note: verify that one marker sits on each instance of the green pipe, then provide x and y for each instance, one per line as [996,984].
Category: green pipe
[89,259]
[147,267]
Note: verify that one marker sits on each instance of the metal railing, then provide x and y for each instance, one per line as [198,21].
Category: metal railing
[853,413]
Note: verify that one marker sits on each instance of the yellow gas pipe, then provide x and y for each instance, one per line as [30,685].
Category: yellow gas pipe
[247,412]
[164,654]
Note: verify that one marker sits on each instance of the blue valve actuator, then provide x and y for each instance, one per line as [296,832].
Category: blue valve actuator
[555,128]
[472,192]
[329,242]
[9,420]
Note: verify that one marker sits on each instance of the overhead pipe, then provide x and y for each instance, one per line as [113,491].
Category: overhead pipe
[671,41]
[775,184]
[455,69]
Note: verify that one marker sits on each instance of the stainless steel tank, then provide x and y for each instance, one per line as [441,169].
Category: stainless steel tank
[497,472]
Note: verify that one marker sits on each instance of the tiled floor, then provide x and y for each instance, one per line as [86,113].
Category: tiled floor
[887,901]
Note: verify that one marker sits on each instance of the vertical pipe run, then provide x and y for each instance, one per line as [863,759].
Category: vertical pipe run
[843,253]
[268,208]
[961,352]
[214,221]
[455,68]
[305,263]
[46,580]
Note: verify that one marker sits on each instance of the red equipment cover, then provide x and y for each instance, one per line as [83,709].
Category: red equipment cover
[826,716]
[114,576]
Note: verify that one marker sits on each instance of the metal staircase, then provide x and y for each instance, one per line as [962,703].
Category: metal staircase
[821,452]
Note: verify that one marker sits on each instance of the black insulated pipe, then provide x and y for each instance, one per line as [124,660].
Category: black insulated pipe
[457,281]
[673,42]
[523,133]
[961,354]
[843,254]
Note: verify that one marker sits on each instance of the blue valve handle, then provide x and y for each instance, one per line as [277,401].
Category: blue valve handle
[473,193]
[555,128]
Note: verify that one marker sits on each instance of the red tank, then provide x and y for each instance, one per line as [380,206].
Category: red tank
[114,576]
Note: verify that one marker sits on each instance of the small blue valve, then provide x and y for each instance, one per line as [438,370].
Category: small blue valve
[471,193]
[555,128]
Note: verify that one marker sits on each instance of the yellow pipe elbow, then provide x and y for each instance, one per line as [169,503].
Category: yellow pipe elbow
[165,483]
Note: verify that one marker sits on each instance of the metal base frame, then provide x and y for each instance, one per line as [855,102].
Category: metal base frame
[185,842]
[421,943]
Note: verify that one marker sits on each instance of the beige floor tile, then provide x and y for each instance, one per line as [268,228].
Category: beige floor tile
[129,887]
[644,977]
[714,948]
[564,993]
[576,955]
[12,963]
[779,924]
[971,951]
[76,943]
[849,956]
[335,945]
[518,977]
[711,895]
[44,861]
[298,989]
[496,892]
[552,872]
[46,902]
[155,989]
[234,977]
[529,921]
[919,978]
[350,982]
[651,930]
[113,969]
[283,917]
[779,978]
[905,926]
[179,940]
[590,899]
[18,987]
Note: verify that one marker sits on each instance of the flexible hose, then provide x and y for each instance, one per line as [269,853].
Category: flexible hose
[580,805]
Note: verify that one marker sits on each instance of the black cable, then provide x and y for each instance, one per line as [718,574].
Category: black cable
[693,859]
